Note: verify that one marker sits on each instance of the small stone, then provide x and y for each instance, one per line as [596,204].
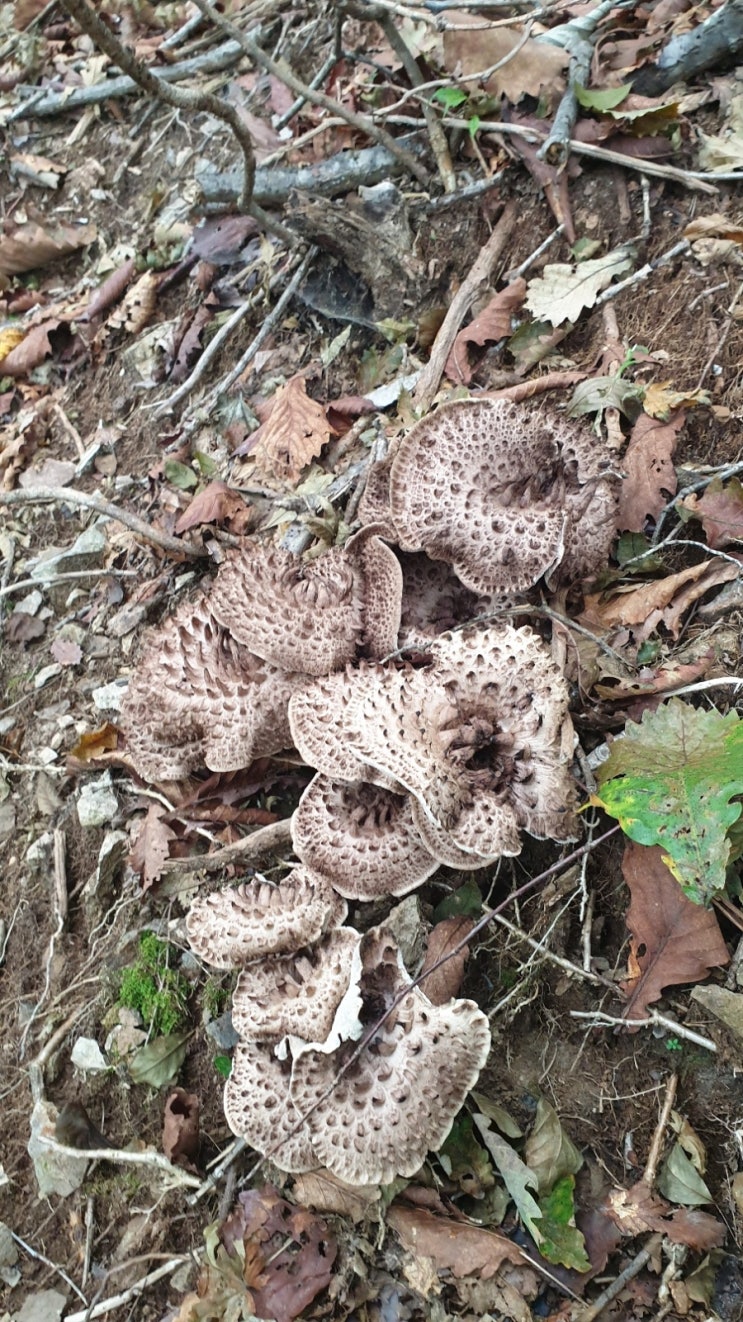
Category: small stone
[97,803]
[45,674]
[56,1173]
[109,697]
[46,756]
[44,1306]
[222,1033]
[87,552]
[38,851]
[29,604]
[87,1055]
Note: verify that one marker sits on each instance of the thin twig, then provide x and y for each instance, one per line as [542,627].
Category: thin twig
[153,1160]
[225,1162]
[89,500]
[60,914]
[40,1257]
[249,851]
[281,70]
[651,1165]
[181,98]
[126,1297]
[430,378]
[634,1268]
[653,1018]
[43,583]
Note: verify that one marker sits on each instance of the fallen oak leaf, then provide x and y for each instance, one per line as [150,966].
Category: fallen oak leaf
[719,510]
[293,434]
[639,1209]
[673,939]
[493,323]
[217,503]
[650,480]
[661,602]
[562,291]
[459,1247]
[151,848]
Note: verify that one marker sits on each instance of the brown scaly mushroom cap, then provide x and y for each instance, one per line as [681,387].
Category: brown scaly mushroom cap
[503,493]
[198,698]
[312,616]
[481,737]
[297,994]
[259,1109]
[231,927]
[433,601]
[398,1100]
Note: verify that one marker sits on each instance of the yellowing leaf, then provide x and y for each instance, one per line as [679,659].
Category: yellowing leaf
[549,1152]
[660,401]
[294,433]
[9,338]
[671,781]
[562,291]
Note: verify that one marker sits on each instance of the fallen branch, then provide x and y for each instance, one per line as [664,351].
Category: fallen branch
[460,305]
[91,501]
[653,1019]
[252,850]
[154,1160]
[179,97]
[126,1297]
[716,41]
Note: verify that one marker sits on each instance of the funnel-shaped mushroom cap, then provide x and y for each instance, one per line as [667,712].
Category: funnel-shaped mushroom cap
[362,837]
[481,737]
[198,698]
[231,927]
[312,616]
[504,494]
[374,506]
[258,1108]
[398,1100]
[295,994]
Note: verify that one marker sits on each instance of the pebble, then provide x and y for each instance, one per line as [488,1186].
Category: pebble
[97,803]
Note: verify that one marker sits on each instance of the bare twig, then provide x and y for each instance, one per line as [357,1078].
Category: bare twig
[60,916]
[89,500]
[181,98]
[153,1160]
[126,1297]
[633,1269]
[225,1163]
[662,1020]
[651,1165]
[460,305]
[40,1257]
[281,70]
[73,575]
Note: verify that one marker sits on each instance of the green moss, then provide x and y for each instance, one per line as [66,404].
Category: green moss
[155,990]
[215,996]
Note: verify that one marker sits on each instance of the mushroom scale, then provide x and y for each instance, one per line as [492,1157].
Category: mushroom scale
[295,994]
[399,1099]
[362,837]
[499,492]
[198,698]
[233,926]
[259,1109]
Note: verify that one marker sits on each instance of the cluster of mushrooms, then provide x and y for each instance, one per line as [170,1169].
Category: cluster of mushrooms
[434,741]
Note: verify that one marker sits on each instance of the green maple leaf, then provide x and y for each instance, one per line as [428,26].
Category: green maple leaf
[671,781]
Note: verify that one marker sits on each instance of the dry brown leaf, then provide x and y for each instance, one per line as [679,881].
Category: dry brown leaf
[151,849]
[95,743]
[32,350]
[217,503]
[661,602]
[138,306]
[66,652]
[493,323]
[292,435]
[653,680]
[110,291]
[181,1127]
[455,1246]
[719,510]
[639,1210]
[680,941]
[651,478]
[537,69]
[10,336]
[661,401]
[20,627]
[445,982]
[715,226]
[324,1192]
[31,246]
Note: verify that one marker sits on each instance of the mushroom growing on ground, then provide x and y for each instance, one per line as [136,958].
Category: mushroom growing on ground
[295,995]
[503,493]
[481,737]
[312,616]
[231,927]
[199,698]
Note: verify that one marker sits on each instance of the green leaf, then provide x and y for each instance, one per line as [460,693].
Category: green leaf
[180,475]
[473,124]
[223,1066]
[604,392]
[671,781]
[549,1153]
[465,1160]
[466,901]
[601,98]
[562,1242]
[632,544]
[517,1177]
[450,97]
[680,1182]
[206,465]
[159,1062]
[498,1114]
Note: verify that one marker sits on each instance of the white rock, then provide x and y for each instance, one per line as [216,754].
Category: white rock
[97,803]
[55,1172]
[46,673]
[87,1055]
[109,697]
[44,1306]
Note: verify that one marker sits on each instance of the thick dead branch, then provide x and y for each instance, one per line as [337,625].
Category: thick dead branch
[716,42]
[179,97]
[251,851]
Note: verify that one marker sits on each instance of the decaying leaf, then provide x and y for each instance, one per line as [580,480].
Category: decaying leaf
[673,940]
[30,246]
[672,781]
[324,1192]
[217,503]
[639,1209]
[445,982]
[493,323]
[151,847]
[158,1063]
[293,434]
[291,1250]
[650,480]
[34,347]
[455,1246]
[536,68]
[720,511]
[679,1182]
[548,1152]
[562,291]
[660,401]
[66,652]
[138,305]
[181,1127]
[727,1006]
[94,743]
[663,601]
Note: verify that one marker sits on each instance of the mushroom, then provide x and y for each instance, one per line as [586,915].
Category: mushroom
[503,493]
[295,994]
[199,698]
[433,600]
[312,616]
[259,1108]
[233,926]
[399,1099]
[481,736]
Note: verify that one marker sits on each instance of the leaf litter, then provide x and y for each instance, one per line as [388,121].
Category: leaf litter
[670,935]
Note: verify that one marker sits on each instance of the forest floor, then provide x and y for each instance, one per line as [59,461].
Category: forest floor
[105,197]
